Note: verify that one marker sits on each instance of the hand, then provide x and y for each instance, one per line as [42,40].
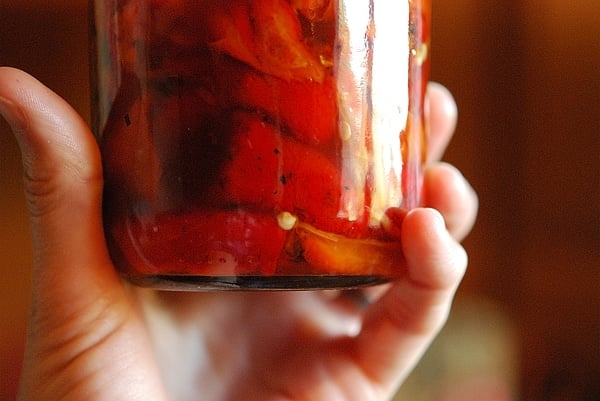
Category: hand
[92,337]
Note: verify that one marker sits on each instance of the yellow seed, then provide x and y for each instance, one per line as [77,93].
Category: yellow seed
[286,220]
[421,53]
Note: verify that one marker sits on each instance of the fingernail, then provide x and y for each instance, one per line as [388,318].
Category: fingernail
[438,220]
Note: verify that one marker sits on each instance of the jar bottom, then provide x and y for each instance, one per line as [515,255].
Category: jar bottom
[255,283]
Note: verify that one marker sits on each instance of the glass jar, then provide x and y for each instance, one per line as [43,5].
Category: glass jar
[257,144]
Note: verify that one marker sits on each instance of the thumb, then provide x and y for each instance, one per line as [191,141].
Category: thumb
[82,319]
[63,185]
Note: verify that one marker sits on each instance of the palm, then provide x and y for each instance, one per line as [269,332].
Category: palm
[259,346]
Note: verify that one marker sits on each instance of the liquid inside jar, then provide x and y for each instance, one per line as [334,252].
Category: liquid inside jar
[257,144]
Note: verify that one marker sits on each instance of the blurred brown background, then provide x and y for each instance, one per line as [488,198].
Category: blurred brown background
[526,76]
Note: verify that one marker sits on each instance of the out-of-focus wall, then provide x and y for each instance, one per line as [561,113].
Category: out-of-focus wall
[526,75]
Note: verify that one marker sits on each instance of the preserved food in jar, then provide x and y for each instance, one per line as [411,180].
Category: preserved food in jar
[258,143]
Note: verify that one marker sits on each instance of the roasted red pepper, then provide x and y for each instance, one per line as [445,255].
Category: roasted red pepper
[219,243]
[271,171]
[245,136]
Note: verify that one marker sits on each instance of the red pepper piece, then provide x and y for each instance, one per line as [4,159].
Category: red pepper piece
[131,161]
[279,44]
[156,141]
[305,109]
[253,174]
[266,35]
[271,171]
[191,141]
[315,10]
[231,31]
[335,254]
[217,243]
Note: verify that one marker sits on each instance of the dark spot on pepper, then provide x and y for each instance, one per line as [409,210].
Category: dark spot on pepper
[276,151]
[283,179]
[127,119]
[412,28]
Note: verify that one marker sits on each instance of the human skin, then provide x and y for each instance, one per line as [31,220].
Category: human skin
[91,336]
